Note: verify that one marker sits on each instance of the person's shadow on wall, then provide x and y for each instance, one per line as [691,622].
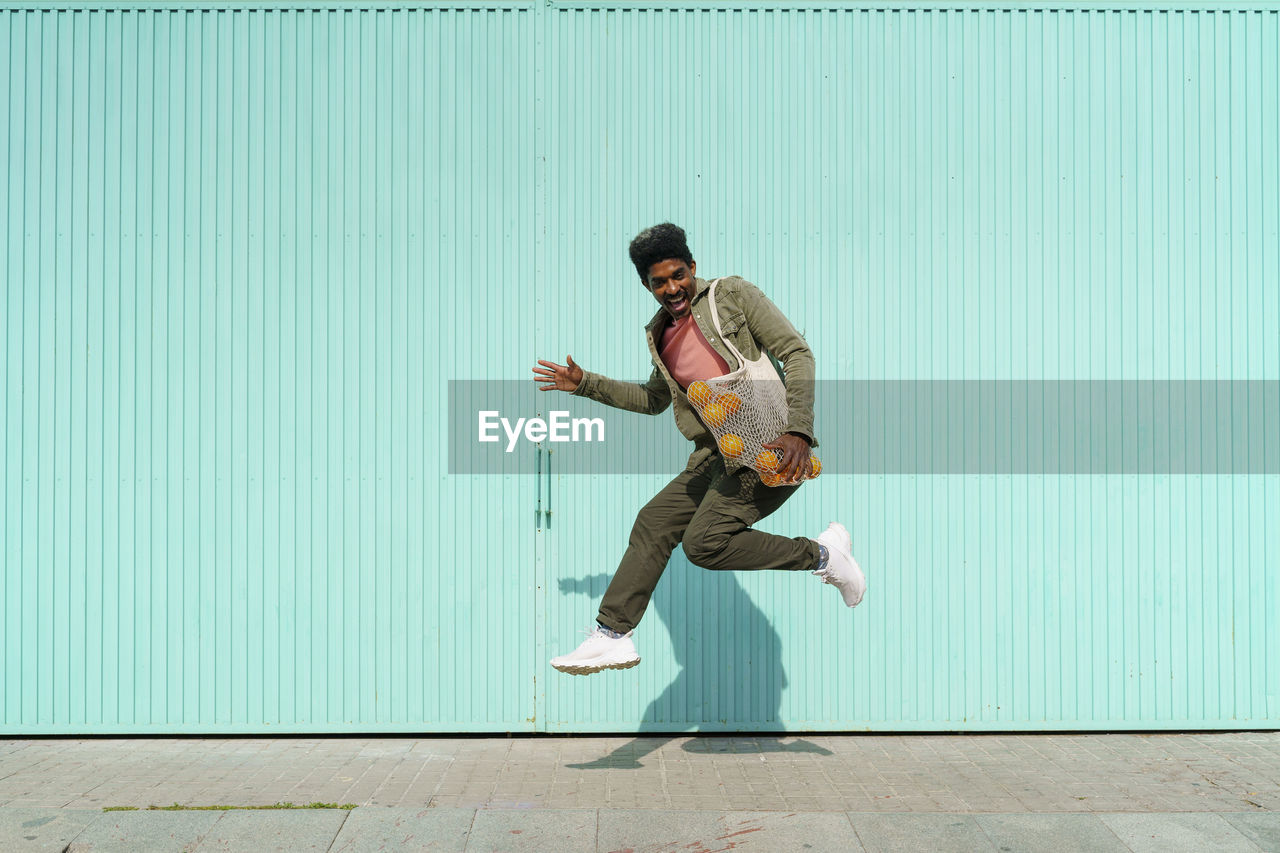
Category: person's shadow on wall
[749,648]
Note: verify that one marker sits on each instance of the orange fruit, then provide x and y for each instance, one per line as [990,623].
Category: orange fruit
[767,460]
[714,415]
[815,467]
[771,478]
[730,445]
[700,394]
[731,402]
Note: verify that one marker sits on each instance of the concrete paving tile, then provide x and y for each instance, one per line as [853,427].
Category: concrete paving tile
[670,830]
[29,803]
[1268,801]
[128,832]
[29,829]
[1050,833]
[909,833]
[562,830]
[372,828]
[274,830]
[1178,833]
[1262,828]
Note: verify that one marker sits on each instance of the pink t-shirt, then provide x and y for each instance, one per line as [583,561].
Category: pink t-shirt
[687,354]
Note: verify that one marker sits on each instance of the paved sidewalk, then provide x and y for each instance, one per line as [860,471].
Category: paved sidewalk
[1161,792]
[372,828]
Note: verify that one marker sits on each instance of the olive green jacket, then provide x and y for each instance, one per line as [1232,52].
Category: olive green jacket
[752,322]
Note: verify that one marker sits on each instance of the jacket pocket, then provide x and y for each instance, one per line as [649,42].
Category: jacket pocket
[731,322]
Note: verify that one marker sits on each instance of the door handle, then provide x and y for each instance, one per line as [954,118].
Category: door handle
[549,452]
[537,484]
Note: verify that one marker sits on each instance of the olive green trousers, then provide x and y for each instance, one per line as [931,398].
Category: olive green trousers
[710,513]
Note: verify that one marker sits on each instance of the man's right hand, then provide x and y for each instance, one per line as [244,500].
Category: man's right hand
[558,376]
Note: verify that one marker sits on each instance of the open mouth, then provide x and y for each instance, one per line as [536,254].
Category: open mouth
[677,304]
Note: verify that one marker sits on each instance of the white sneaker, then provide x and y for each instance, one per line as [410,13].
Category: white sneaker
[842,570]
[599,651]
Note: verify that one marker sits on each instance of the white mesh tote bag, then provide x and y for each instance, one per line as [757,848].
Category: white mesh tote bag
[745,409]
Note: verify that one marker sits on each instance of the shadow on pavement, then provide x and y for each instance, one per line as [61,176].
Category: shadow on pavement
[729,669]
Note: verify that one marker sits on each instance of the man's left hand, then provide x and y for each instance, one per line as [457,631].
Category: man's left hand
[794,450]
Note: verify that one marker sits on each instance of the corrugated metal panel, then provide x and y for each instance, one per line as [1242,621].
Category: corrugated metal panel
[940,195]
[226,233]
[242,257]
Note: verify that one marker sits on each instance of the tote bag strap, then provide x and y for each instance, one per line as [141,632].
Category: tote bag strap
[715,318]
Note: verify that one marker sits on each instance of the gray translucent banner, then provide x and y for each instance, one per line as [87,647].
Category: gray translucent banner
[902,427]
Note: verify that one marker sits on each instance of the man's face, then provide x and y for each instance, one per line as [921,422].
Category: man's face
[672,283]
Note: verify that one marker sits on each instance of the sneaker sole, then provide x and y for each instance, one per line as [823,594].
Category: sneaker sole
[864,586]
[588,670]
[844,534]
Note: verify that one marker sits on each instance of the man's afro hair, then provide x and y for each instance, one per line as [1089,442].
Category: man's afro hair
[656,244]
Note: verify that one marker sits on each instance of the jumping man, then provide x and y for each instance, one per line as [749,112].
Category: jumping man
[705,508]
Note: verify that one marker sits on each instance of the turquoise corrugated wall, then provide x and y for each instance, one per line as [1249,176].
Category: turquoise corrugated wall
[246,245]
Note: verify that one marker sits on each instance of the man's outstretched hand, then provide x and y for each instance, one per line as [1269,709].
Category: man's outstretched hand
[794,453]
[560,377]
